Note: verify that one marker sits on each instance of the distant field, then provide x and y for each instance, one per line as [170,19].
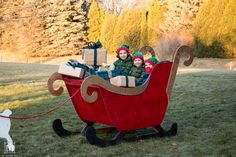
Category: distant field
[202,63]
[203,103]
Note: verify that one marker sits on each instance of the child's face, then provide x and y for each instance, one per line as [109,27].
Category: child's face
[123,54]
[138,62]
[148,65]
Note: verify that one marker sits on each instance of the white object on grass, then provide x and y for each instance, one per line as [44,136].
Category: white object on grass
[5,125]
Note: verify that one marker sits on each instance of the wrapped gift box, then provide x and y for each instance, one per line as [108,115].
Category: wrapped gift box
[94,56]
[123,81]
[68,70]
[106,74]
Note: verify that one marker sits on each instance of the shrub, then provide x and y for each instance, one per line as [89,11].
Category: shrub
[214,29]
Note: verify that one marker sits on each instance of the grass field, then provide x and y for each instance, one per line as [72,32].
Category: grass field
[203,104]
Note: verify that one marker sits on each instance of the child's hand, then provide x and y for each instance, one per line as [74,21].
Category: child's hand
[112,67]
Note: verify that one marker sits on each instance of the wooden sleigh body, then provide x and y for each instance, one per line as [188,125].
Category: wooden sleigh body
[123,109]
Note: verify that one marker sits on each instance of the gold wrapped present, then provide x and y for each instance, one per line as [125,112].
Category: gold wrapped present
[94,56]
[123,81]
[68,70]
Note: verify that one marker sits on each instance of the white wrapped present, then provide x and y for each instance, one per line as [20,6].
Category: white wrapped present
[68,70]
[123,81]
[94,56]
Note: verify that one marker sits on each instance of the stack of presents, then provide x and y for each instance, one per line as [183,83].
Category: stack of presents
[128,71]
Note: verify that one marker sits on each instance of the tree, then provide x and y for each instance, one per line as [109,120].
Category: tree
[95,18]
[155,17]
[144,29]
[128,29]
[180,14]
[214,29]
[107,30]
[44,28]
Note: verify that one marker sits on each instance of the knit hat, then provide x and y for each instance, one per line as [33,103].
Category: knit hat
[151,60]
[138,55]
[123,47]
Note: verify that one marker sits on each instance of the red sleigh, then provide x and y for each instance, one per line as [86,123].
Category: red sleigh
[124,109]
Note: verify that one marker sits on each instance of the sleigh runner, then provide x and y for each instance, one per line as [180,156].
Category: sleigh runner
[124,109]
